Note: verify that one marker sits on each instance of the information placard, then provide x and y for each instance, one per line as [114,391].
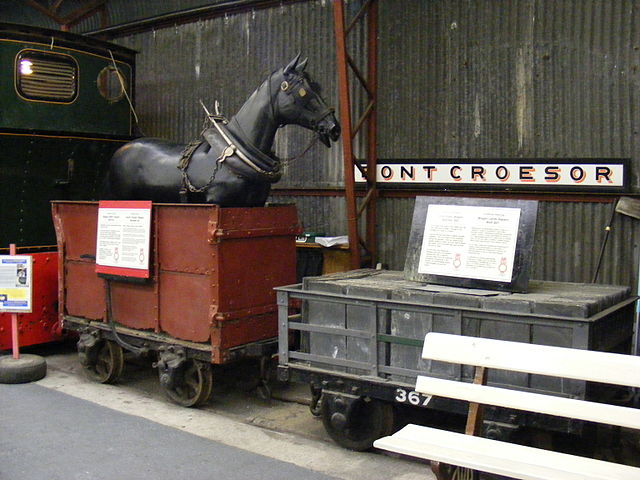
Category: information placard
[16,283]
[472,243]
[123,239]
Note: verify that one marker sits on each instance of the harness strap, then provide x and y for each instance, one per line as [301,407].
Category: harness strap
[233,149]
[187,153]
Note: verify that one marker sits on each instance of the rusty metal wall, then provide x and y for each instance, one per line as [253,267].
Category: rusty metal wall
[319,214]
[510,78]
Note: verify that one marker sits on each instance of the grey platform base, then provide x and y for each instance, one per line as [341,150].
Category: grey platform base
[48,435]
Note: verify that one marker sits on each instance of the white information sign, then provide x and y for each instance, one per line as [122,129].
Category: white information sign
[470,242]
[124,232]
[16,282]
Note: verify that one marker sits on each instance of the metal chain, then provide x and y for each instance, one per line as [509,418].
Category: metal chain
[186,181]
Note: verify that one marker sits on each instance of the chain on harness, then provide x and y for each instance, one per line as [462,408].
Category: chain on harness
[187,154]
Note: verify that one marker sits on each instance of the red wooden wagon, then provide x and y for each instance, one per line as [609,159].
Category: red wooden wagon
[209,299]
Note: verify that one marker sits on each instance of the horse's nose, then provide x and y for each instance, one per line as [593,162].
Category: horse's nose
[329,129]
[334,131]
[332,127]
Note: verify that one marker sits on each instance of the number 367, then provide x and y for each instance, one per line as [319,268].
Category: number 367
[411,397]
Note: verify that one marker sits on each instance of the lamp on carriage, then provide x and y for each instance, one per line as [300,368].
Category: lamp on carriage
[25,67]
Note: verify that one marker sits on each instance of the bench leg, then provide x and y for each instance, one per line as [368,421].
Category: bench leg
[444,471]
[475,418]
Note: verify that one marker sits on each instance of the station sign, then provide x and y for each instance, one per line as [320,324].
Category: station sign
[602,175]
[123,238]
[16,283]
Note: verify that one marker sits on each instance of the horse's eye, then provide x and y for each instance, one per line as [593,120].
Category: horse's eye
[284,86]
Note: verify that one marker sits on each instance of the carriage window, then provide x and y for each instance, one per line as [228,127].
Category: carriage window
[46,76]
[111,83]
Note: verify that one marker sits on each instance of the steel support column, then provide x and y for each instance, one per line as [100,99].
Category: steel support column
[368,17]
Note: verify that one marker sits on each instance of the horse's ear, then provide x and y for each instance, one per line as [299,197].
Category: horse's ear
[292,65]
[300,67]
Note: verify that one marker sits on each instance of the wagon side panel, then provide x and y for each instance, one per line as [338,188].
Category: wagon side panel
[185,300]
[186,262]
[135,306]
[83,292]
[255,252]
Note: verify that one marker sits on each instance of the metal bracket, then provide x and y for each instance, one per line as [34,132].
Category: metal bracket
[88,346]
[340,406]
[170,361]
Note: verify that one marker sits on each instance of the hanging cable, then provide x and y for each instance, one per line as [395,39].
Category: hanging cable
[124,90]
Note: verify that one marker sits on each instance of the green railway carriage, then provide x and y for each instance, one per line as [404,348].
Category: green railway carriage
[64,110]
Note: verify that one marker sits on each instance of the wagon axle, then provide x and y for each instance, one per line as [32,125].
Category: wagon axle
[103,360]
[185,381]
[170,365]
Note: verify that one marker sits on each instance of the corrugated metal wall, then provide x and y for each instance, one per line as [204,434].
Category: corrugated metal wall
[482,78]
[509,78]
[517,79]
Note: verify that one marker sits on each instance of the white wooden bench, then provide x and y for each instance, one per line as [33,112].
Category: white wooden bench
[445,448]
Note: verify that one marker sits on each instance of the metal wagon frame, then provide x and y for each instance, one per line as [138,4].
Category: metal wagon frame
[343,389]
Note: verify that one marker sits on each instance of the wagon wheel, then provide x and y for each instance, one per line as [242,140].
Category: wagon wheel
[108,364]
[193,384]
[368,420]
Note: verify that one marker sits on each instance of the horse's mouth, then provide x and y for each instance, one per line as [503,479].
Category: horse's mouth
[329,134]
[324,138]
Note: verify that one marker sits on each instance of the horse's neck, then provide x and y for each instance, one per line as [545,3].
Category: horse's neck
[254,122]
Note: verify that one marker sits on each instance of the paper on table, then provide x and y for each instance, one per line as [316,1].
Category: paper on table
[330,241]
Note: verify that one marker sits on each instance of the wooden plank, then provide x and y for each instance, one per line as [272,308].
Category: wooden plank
[527,401]
[475,417]
[604,367]
[516,461]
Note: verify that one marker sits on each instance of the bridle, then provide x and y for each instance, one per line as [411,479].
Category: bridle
[302,99]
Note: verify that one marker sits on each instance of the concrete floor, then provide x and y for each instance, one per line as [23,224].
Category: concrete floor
[283,432]
[278,436]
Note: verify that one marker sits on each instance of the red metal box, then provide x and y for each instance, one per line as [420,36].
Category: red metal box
[41,325]
[213,271]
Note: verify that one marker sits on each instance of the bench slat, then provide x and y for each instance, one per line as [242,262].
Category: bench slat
[573,363]
[516,461]
[528,401]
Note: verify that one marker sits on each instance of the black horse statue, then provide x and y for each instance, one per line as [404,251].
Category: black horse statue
[233,166]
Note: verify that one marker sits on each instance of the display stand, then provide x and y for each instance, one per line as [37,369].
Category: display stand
[472,242]
[15,297]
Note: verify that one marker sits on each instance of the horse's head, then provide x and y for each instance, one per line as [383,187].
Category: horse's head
[298,102]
